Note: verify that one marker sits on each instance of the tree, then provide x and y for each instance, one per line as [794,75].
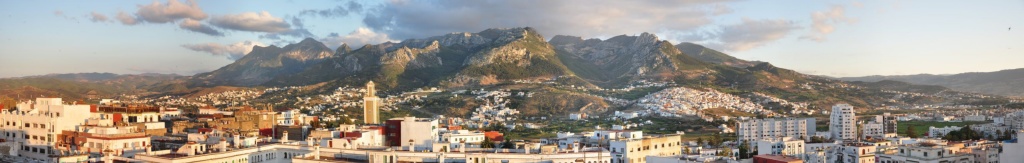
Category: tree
[1008,135]
[744,150]
[487,143]
[686,149]
[508,144]
[999,135]
[817,139]
[700,141]
[315,124]
[911,133]
[726,152]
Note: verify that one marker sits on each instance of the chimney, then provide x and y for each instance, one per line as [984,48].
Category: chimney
[462,146]
[412,146]
[526,148]
[108,158]
[223,145]
[576,147]
[237,142]
[284,137]
[440,157]
[316,151]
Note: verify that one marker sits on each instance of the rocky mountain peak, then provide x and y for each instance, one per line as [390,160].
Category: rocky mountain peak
[646,38]
[344,48]
[264,63]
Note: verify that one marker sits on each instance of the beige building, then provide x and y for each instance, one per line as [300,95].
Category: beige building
[371,105]
[925,153]
[636,150]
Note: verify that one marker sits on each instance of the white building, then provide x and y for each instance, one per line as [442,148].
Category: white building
[936,132]
[458,136]
[818,152]
[781,146]
[1016,146]
[626,114]
[607,135]
[423,132]
[873,130]
[976,118]
[355,138]
[577,116]
[925,153]
[123,141]
[880,127]
[855,153]
[757,129]
[34,126]
[843,122]
[302,153]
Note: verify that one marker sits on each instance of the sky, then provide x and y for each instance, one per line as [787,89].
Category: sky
[839,38]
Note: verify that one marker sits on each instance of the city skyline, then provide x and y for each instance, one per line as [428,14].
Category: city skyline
[832,38]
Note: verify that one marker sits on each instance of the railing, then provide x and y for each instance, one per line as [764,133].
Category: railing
[113,136]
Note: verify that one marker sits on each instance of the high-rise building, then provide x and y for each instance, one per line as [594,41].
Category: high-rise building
[879,127]
[889,122]
[843,122]
[371,105]
[757,129]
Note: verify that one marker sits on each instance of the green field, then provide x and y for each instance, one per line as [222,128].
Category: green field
[921,127]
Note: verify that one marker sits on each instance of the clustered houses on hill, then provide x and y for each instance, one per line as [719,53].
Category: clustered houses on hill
[686,101]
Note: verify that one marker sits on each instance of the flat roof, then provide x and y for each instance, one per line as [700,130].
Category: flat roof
[779,158]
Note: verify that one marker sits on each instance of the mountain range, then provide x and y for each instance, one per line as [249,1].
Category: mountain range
[502,55]
[494,58]
[1005,82]
[78,85]
[488,57]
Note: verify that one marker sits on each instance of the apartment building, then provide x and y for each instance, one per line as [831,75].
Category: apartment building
[636,150]
[34,125]
[757,129]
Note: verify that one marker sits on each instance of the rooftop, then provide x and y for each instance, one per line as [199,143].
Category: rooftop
[779,158]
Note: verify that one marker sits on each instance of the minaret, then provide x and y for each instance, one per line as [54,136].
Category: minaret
[371,103]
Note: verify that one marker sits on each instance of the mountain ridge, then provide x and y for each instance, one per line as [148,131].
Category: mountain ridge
[1009,82]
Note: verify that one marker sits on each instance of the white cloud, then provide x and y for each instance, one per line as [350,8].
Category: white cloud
[250,21]
[747,35]
[233,51]
[164,13]
[338,11]
[586,18]
[97,17]
[823,23]
[196,26]
[126,19]
[357,38]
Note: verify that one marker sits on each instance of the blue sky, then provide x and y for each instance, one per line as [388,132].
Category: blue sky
[834,38]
